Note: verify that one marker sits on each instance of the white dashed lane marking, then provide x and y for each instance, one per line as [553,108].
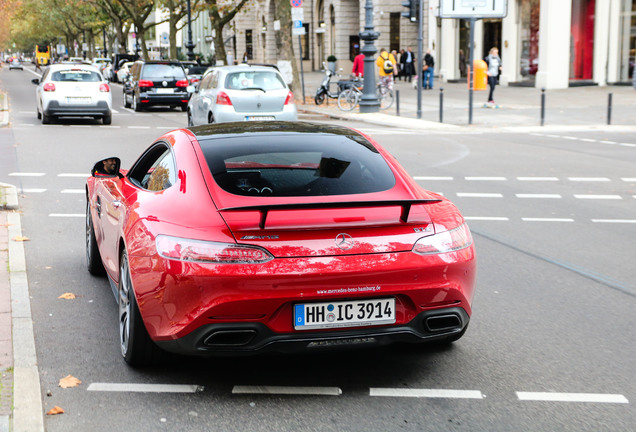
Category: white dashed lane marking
[144,388]
[572,397]
[426,393]
[287,390]
[587,140]
[541,196]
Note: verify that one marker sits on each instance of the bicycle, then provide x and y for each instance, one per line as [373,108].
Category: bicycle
[349,98]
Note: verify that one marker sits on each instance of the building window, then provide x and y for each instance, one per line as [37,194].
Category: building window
[249,44]
[394,31]
[628,40]
[529,38]
[304,40]
[582,40]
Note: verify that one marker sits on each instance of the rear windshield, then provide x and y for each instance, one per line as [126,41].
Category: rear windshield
[76,76]
[163,71]
[297,165]
[263,80]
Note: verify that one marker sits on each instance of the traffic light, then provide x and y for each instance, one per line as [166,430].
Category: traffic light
[413,8]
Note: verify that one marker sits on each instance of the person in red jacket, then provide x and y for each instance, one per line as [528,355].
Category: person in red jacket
[358,66]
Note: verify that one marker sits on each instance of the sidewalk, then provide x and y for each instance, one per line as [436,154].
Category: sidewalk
[519,108]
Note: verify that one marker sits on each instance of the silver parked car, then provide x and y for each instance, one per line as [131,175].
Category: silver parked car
[241,93]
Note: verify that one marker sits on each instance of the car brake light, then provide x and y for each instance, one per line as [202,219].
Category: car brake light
[194,80]
[447,241]
[49,87]
[104,88]
[290,99]
[210,252]
[182,83]
[146,83]
[223,99]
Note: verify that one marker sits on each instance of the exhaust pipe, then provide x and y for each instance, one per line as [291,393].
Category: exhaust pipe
[443,323]
[230,338]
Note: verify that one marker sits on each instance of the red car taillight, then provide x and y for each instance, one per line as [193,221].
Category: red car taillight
[49,87]
[447,241]
[290,99]
[194,80]
[223,99]
[210,252]
[146,83]
[104,88]
[182,83]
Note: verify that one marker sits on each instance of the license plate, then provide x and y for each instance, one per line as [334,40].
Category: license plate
[78,100]
[308,316]
[165,90]
[257,118]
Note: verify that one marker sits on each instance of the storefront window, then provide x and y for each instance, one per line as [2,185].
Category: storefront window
[529,31]
[628,39]
[582,40]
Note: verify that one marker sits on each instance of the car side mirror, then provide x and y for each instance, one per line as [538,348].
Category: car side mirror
[107,168]
[192,89]
[35,81]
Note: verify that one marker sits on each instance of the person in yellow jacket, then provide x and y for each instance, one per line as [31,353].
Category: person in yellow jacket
[388,67]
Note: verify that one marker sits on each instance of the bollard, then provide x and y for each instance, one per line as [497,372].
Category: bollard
[397,103]
[609,108]
[542,106]
[441,105]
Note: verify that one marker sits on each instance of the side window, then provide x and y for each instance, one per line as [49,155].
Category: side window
[206,83]
[155,171]
[214,79]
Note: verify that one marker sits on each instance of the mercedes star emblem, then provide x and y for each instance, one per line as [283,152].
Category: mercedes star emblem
[344,241]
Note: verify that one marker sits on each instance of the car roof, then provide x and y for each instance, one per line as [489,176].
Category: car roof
[246,67]
[224,130]
[71,65]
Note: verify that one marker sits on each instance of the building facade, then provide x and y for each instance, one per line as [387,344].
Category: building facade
[543,43]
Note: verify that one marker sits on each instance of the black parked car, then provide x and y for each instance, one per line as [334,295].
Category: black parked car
[156,83]
[120,59]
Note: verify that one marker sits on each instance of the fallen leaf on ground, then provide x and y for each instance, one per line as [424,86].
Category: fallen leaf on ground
[20,238]
[69,381]
[55,410]
[67,296]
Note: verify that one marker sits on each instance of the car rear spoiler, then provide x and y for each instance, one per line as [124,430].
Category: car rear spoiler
[264,209]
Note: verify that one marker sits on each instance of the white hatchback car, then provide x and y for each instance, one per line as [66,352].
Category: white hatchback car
[73,90]
[241,93]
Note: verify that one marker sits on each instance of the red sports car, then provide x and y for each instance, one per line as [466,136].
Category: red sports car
[275,236]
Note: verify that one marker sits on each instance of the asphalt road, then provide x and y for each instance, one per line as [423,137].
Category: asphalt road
[551,344]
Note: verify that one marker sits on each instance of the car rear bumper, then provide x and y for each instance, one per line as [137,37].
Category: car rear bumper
[55,109]
[228,114]
[176,99]
[256,338]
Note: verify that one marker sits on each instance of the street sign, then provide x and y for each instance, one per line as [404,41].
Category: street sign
[298,28]
[473,9]
[297,14]
[296,3]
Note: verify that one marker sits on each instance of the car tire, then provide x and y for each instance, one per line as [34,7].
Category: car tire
[184,108]
[126,103]
[190,122]
[46,119]
[137,348]
[39,115]
[135,104]
[210,118]
[107,119]
[93,258]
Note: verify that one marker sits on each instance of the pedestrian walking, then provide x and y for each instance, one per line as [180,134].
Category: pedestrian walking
[386,66]
[396,71]
[494,68]
[358,66]
[462,63]
[408,60]
[428,70]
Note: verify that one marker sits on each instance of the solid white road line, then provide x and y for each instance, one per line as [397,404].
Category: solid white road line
[598,197]
[572,397]
[67,215]
[486,218]
[588,140]
[288,390]
[33,190]
[589,179]
[479,195]
[144,388]
[628,179]
[547,220]
[73,191]
[616,221]
[627,145]
[608,142]
[538,178]
[432,178]
[25,174]
[521,195]
[426,393]
[570,138]
[485,178]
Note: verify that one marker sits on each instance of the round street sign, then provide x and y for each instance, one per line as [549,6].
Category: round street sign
[296,3]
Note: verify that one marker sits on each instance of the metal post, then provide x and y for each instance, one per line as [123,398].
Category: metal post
[420,56]
[471,78]
[542,106]
[609,109]
[104,36]
[189,44]
[302,73]
[441,105]
[397,103]
[369,102]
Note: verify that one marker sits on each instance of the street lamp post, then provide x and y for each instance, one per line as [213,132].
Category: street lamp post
[369,102]
[190,45]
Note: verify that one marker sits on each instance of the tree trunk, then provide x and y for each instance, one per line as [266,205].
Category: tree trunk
[284,42]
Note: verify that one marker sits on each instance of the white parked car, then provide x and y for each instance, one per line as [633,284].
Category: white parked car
[241,93]
[124,71]
[73,90]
